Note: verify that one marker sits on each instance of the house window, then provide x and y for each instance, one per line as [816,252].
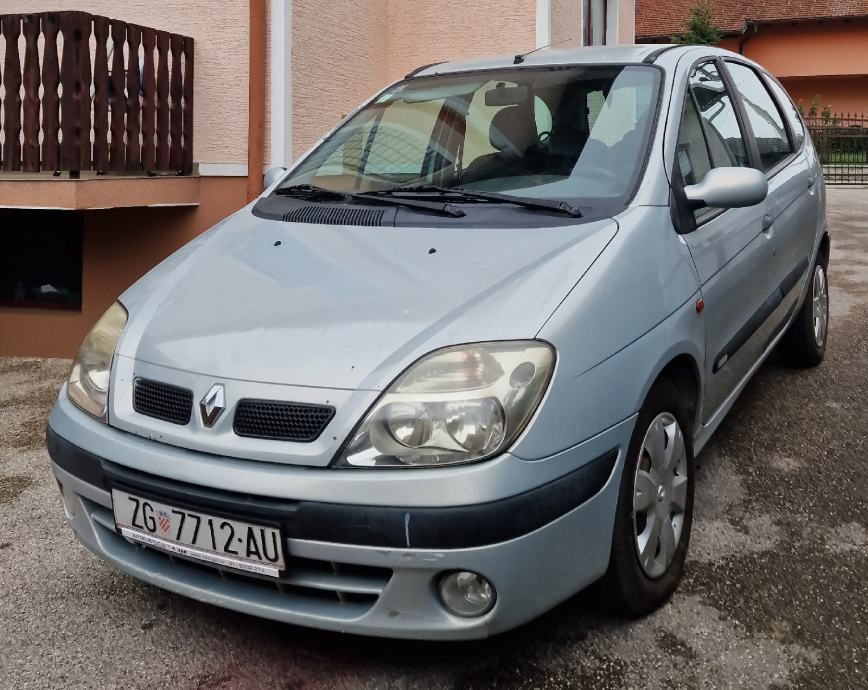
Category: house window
[41,259]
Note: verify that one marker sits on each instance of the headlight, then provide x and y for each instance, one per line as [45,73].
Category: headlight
[89,379]
[455,405]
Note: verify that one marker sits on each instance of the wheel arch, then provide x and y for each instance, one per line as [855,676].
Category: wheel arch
[825,246]
[683,371]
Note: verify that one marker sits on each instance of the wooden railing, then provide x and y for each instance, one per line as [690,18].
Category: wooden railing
[114,97]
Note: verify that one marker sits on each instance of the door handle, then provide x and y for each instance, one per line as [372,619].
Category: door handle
[768,221]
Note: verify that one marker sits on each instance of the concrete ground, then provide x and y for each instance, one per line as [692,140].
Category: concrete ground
[775,594]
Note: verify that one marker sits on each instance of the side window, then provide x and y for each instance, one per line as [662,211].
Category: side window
[763,114]
[709,136]
[717,112]
[789,110]
[691,154]
[542,116]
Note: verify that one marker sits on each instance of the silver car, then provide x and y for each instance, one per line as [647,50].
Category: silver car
[455,365]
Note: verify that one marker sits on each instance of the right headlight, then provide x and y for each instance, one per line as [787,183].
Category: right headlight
[455,405]
[88,383]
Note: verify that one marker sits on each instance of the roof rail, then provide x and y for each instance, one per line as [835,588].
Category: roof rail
[653,55]
[416,71]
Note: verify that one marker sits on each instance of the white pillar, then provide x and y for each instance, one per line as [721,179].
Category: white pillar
[280,82]
[543,23]
[613,21]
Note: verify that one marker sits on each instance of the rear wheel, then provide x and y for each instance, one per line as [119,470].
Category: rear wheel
[805,343]
[655,506]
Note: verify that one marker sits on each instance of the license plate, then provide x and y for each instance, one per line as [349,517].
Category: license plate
[218,540]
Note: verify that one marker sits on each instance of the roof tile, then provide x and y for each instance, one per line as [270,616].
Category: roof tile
[656,19]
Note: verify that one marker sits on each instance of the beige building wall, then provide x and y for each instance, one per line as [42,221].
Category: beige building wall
[566,23]
[220,31]
[339,58]
[626,22]
[425,31]
[344,51]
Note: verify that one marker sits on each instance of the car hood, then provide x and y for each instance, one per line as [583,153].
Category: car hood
[343,306]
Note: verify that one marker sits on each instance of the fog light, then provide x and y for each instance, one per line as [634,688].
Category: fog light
[466,594]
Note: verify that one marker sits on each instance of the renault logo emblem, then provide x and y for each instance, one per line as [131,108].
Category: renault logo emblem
[212,405]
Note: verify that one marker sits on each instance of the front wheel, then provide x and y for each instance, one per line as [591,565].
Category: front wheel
[655,506]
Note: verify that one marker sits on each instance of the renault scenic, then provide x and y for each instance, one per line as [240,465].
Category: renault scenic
[455,364]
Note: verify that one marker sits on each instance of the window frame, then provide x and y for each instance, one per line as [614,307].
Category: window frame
[686,218]
[769,77]
[794,150]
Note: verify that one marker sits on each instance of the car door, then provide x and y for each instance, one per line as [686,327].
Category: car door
[729,248]
[790,209]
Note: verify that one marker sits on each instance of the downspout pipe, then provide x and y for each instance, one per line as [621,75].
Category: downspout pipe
[256,100]
[750,30]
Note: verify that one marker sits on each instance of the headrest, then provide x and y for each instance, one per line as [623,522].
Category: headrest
[512,131]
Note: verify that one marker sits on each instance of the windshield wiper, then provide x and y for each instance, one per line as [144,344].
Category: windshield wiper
[471,194]
[308,191]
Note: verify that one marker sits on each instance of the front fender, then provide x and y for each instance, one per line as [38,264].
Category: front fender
[630,315]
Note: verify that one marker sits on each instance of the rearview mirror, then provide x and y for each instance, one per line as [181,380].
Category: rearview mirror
[728,188]
[272,176]
[507,95]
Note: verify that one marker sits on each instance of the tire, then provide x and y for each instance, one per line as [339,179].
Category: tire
[640,580]
[804,344]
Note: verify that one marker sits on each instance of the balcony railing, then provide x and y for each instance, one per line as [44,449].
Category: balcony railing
[80,92]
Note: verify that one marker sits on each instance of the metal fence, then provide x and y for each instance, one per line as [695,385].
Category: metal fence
[842,144]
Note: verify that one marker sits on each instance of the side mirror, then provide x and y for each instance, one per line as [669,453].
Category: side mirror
[272,176]
[728,188]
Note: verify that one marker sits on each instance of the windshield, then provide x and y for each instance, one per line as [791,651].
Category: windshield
[566,133]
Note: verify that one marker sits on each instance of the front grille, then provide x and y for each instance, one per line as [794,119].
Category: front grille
[162,401]
[335,215]
[281,421]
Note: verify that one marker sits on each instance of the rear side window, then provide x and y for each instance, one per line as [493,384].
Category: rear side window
[763,114]
[789,110]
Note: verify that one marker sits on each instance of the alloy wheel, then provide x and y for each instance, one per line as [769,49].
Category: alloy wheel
[660,494]
[820,294]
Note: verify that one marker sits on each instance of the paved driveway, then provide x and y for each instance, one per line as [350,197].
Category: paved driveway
[776,591]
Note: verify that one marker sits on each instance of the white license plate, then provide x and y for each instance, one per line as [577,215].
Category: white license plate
[218,540]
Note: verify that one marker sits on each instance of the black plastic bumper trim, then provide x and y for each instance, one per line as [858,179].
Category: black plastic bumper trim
[451,527]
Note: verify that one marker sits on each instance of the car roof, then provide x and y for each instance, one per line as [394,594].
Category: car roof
[557,56]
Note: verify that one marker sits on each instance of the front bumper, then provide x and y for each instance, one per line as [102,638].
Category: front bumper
[361,568]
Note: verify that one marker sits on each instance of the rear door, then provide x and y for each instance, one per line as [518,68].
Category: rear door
[790,210]
[729,248]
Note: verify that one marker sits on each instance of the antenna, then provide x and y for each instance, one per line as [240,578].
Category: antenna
[521,56]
